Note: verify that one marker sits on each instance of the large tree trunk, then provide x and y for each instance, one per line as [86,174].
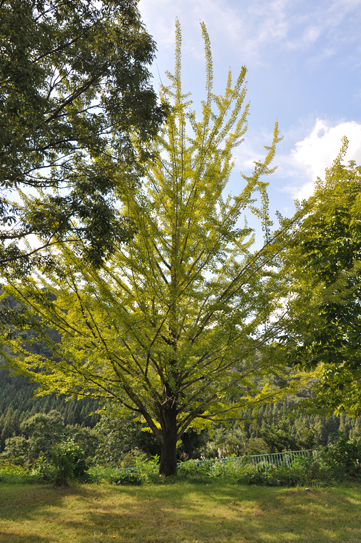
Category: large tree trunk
[168,455]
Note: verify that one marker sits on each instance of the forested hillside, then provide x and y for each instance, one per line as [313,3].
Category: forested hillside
[309,427]
[17,404]
[276,427]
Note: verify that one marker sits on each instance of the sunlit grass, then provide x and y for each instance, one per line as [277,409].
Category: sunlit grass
[214,512]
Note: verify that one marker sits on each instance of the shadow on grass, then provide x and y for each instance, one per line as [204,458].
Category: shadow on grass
[231,513]
[19,536]
[207,512]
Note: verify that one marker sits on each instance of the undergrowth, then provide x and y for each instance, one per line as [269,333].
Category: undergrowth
[340,462]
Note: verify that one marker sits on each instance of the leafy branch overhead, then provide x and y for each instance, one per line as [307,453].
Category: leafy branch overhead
[74,83]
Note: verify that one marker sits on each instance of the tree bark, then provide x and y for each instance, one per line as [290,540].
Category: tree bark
[168,455]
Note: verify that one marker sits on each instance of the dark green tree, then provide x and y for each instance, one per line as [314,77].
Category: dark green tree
[73,77]
[43,432]
[10,425]
[279,438]
[122,436]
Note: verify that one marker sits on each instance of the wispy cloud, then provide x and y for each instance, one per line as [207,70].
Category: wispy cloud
[253,26]
[247,27]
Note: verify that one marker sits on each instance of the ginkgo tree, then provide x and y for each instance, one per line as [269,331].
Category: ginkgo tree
[179,324]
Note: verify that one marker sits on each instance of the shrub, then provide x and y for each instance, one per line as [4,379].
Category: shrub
[42,432]
[43,470]
[68,460]
[128,477]
[16,450]
[101,474]
[15,474]
[343,457]
[143,468]
[303,470]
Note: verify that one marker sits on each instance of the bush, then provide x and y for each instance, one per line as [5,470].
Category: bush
[15,474]
[42,432]
[195,468]
[303,470]
[128,477]
[68,460]
[16,450]
[211,468]
[343,458]
[43,470]
[143,469]
[338,462]
[101,474]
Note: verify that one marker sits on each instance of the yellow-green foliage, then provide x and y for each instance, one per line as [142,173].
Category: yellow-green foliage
[183,317]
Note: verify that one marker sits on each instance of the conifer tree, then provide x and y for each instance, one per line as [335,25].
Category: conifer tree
[178,325]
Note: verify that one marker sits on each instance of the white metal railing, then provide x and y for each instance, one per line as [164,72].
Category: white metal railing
[277,459]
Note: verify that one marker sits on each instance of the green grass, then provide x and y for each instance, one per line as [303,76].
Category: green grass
[187,512]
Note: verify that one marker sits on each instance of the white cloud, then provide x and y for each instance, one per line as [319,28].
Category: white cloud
[310,156]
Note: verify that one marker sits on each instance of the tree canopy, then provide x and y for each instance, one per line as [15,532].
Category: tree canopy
[325,307]
[73,79]
[178,325]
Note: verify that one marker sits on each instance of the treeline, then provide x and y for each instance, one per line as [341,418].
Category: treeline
[278,428]
[275,428]
[17,404]
[322,427]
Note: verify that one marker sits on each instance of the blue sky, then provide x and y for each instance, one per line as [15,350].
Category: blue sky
[304,70]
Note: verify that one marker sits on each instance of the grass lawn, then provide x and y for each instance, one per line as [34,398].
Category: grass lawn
[217,512]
